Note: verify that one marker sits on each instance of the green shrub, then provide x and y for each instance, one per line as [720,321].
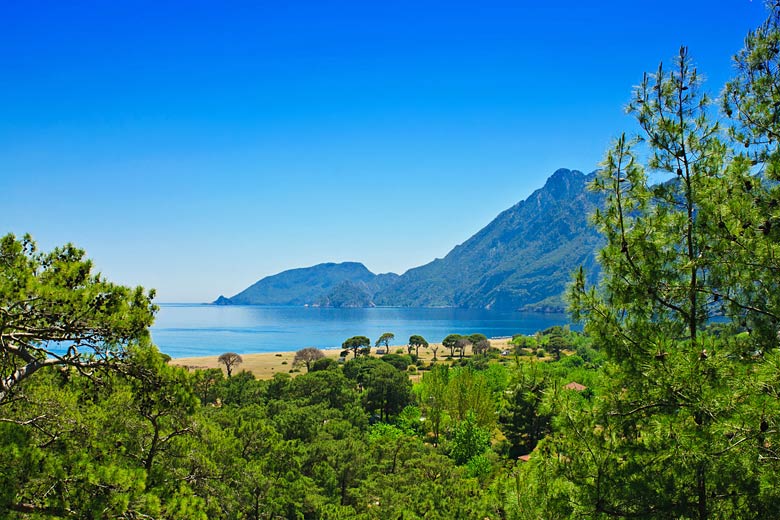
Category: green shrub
[399,361]
[325,363]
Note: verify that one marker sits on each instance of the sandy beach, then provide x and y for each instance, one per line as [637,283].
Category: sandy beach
[265,365]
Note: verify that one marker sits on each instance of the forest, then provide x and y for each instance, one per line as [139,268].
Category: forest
[665,406]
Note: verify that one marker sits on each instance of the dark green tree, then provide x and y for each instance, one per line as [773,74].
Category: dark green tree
[415,342]
[433,397]
[556,341]
[451,342]
[356,343]
[385,340]
[399,361]
[523,420]
[325,363]
[386,391]
[678,430]
[206,384]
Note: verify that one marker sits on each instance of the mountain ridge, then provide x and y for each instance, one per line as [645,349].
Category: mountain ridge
[521,260]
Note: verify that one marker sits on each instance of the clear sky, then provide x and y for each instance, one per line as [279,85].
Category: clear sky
[196,147]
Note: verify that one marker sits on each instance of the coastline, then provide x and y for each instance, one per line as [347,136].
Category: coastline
[265,364]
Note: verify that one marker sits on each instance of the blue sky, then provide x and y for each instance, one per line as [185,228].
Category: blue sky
[196,147]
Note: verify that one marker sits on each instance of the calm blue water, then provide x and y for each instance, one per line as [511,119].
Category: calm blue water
[185,330]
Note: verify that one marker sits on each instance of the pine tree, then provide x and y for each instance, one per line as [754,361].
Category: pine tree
[684,428]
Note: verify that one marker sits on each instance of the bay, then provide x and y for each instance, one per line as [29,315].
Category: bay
[189,330]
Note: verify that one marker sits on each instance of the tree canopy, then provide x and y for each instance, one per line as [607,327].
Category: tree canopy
[415,342]
[385,339]
[356,343]
[231,360]
[308,356]
[54,311]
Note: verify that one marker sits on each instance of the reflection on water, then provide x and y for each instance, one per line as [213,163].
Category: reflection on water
[184,330]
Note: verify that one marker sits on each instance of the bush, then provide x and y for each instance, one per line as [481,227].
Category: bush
[325,363]
[479,467]
[573,361]
[411,369]
[469,440]
[540,353]
[477,363]
[399,361]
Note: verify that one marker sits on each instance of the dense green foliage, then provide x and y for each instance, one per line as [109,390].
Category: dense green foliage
[684,421]
[55,312]
[145,439]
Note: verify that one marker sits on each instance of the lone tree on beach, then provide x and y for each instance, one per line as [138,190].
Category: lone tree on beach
[356,343]
[307,356]
[385,339]
[54,312]
[415,342]
[230,360]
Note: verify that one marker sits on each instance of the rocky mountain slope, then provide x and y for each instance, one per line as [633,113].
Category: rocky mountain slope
[523,259]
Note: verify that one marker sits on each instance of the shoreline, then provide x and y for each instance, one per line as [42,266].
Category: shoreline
[264,365]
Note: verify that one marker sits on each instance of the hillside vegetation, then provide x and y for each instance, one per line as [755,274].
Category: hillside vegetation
[666,406]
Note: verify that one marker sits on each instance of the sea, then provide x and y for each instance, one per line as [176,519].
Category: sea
[190,330]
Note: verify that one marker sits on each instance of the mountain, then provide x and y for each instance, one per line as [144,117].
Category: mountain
[348,294]
[348,284]
[523,259]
